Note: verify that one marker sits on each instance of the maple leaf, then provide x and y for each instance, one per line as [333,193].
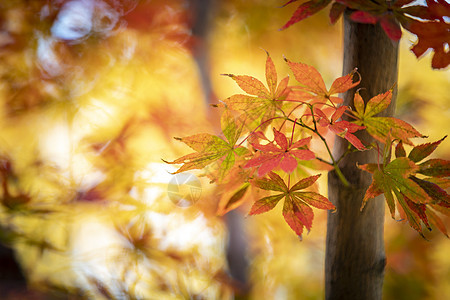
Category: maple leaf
[235,190]
[414,212]
[438,194]
[380,127]
[313,86]
[393,179]
[417,197]
[296,210]
[211,148]
[337,9]
[232,199]
[305,10]
[436,221]
[440,169]
[384,12]
[344,129]
[283,154]
[432,33]
[420,152]
[433,167]
[428,22]
[261,104]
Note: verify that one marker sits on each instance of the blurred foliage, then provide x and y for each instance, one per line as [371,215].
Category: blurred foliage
[91,94]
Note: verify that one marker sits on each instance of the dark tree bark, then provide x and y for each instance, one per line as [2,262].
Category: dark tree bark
[355,257]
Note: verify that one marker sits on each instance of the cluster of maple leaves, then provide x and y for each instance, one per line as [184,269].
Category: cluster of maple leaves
[426,22]
[248,164]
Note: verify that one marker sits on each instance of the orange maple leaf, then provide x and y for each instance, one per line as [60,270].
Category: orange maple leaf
[312,86]
[261,103]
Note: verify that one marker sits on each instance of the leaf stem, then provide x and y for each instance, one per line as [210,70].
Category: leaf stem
[324,161]
[292,135]
[348,151]
[335,163]
[341,176]
[253,131]
[314,120]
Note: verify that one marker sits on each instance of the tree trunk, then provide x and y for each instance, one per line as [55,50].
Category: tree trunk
[355,257]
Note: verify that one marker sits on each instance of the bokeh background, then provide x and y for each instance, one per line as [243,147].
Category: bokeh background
[92,93]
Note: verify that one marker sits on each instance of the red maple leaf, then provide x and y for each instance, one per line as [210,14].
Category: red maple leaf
[343,129]
[432,35]
[305,10]
[426,20]
[283,154]
[433,32]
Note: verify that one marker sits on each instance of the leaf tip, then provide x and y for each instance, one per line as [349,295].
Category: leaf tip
[170,163]
[393,87]
[364,202]
[421,234]
[289,2]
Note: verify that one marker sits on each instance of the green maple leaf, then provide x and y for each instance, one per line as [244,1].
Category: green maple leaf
[380,127]
[394,179]
[261,103]
[418,197]
[433,167]
[296,210]
[211,148]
